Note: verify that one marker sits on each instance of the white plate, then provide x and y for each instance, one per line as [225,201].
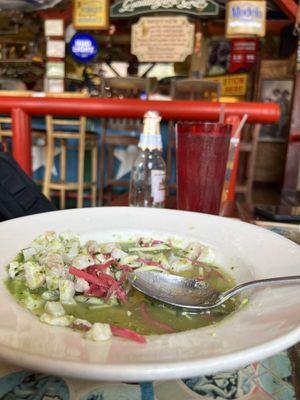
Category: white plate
[269,324]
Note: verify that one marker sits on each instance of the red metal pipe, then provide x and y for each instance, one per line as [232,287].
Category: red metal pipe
[129,108]
[21,139]
[22,107]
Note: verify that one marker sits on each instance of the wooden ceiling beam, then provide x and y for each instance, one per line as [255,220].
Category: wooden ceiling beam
[289,7]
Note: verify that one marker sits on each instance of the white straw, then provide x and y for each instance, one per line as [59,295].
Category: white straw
[241,125]
[222,114]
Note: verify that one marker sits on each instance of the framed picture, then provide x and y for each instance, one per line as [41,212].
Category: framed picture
[56,48]
[54,27]
[276,69]
[280,92]
[91,14]
[218,58]
[276,83]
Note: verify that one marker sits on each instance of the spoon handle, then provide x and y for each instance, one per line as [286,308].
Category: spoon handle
[279,281]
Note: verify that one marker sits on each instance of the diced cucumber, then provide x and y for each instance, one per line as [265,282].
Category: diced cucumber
[150,268]
[152,249]
[50,295]
[88,300]
[101,306]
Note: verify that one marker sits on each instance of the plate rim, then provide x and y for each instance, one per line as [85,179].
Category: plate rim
[170,370]
[173,370]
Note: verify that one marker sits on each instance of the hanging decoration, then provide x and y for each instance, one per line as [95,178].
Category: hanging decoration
[198,43]
[132,8]
[246,18]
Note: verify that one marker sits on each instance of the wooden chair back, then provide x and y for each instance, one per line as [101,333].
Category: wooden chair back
[247,158]
[125,131]
[55,132]
[195,89]
[6,132]
[5,127]
[127,87]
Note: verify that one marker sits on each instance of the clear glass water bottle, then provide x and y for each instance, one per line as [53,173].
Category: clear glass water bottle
[148,175]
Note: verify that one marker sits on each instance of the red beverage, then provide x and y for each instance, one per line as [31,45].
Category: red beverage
[202,150]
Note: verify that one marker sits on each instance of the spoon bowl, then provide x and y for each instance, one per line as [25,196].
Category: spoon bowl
[193,294]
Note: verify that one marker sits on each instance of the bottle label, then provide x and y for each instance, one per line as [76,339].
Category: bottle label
[151,142]
[158,185]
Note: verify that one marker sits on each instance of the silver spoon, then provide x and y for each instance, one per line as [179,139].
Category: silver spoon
[193,294]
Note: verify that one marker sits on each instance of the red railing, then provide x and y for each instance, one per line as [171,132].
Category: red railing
[21,108]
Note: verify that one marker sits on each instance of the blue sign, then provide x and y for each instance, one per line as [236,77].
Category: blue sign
[83,47]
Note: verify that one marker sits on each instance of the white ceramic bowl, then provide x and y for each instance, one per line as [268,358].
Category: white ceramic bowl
[269,324]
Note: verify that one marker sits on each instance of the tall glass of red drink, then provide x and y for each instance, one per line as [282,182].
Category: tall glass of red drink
[202,151]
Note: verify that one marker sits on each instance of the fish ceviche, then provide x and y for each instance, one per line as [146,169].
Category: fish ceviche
[85,286]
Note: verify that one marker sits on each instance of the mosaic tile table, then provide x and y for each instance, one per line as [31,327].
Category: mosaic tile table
[270,379]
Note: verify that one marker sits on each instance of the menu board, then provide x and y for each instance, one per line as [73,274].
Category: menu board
[162,39]
[91,14]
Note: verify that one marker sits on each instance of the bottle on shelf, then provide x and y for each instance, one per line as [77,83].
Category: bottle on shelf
[148,175]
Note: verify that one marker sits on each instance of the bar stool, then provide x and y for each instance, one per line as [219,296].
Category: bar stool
[247,158]
[57,130]
[38,138]
[5,130]
[119,131]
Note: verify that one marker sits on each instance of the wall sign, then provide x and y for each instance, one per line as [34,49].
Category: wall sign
[83,47]
[54,85]
[162,39]
[131,8]
[243,54]
[55,69]
[91,14]
[232,85]
[245,18]
[56,48]
[54,27]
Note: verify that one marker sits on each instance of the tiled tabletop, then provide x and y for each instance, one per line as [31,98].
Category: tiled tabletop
[270,379]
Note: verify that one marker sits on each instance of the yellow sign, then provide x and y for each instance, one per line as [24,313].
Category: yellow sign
[91,14]
[246,18]
[232,85]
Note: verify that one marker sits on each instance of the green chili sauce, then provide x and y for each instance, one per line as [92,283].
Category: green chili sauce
[132,314]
